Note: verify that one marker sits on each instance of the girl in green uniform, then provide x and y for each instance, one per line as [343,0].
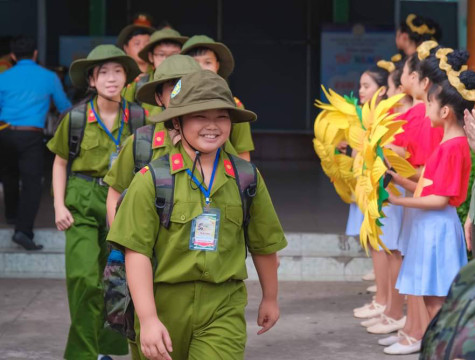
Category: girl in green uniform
[191,304]
[82,158]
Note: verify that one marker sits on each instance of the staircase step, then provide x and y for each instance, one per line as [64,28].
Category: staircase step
[49,238]
[308,257]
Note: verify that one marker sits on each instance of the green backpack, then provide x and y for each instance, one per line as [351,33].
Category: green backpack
[451,334]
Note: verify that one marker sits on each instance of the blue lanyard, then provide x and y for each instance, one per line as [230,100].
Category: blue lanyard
[200,186]
[122,122]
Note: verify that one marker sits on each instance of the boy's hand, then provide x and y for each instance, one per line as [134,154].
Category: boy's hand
[268,315]
[63,218]
[468,233]
[155,341]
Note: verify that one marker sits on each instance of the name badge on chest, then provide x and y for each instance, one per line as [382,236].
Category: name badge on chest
[205,230]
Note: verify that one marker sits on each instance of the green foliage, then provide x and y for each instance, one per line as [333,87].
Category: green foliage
[463,209]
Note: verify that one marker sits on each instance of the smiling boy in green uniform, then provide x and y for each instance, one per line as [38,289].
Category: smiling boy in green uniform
[80,193]
[217,57]
[197,289]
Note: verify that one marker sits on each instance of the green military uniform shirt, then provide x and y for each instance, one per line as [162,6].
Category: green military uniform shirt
[122,171]
[131,89]
[137,226]
[241,137]
[96,146]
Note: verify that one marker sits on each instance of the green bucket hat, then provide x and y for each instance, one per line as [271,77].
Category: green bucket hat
[100,54]
[199,91]
[173,67]
[125,32]
[165,34]
[225,57]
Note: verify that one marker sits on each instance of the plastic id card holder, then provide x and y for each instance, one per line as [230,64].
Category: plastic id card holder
[112,158]
[205,230]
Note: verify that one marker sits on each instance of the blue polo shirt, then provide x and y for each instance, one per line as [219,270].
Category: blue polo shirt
[26,91]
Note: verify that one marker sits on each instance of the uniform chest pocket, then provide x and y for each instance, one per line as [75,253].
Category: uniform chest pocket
[234,214]
[180,224]
[231,227]
[89,143]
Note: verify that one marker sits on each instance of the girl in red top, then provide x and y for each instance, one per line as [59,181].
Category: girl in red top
[436,247]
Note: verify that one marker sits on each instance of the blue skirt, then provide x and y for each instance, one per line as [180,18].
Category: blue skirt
[404,234]
[355,219]
[391,226]
[435,253]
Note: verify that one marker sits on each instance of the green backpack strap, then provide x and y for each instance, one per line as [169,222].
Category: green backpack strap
[164,188]
[77,124]
[246,179]
[136,117]
[143,138]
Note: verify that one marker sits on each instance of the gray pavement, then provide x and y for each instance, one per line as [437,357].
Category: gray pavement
[316,322]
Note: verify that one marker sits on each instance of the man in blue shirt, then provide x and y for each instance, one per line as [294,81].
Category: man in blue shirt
[26,91]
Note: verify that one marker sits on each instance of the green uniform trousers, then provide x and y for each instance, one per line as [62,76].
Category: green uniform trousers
[86,255]
[204,320]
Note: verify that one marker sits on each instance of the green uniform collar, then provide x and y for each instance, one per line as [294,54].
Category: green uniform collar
[180,161]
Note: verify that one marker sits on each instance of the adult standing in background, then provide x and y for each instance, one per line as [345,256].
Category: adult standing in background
[26,91]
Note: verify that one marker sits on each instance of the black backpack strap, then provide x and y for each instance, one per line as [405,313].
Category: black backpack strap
[164,188]
[246,179]
[136,117]
[77,124]
[143,138]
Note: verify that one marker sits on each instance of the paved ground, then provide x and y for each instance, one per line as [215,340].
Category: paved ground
[316,322]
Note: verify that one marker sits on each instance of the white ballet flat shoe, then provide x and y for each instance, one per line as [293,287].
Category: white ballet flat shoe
[372,311]
[371,322]
[387,325]
[388,341]
[369,276]
[361,307]
[400,349]
[372,289]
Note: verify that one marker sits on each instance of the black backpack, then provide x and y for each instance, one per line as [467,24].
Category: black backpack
[118,301]
[77,125]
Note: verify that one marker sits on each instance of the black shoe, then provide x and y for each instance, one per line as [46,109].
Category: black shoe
[22,239]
